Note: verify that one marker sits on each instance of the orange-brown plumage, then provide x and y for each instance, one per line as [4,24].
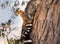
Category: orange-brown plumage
[23,15]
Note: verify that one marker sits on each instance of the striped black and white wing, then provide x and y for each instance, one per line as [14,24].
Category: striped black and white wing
[26,35]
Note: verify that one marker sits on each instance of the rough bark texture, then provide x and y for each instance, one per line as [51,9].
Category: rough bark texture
[46,22]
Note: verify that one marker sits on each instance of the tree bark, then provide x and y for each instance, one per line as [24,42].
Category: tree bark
[46,22]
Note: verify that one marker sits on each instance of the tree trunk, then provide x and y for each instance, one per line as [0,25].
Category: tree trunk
[46,22]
